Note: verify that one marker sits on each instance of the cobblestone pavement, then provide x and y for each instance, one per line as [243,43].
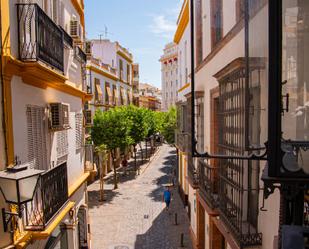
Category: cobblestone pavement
[133,216]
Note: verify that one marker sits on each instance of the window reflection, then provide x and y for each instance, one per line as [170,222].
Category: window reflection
[295,76]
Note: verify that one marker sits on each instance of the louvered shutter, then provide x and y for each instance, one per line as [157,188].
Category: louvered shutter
[62,144]
[37,129]
[79,130]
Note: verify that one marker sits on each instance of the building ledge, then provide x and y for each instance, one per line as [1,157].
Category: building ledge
[75,186]
[41,76]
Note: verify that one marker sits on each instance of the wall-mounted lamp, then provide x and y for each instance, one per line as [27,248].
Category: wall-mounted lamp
[17,185]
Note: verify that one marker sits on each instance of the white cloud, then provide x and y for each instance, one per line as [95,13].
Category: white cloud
[162,26]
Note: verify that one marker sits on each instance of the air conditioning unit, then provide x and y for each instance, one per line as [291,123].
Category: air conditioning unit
[59,116]
[75,29]
[88,117]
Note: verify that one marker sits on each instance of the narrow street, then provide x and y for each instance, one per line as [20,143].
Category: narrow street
[133,216]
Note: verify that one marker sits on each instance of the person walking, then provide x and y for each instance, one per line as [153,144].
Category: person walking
[167,198]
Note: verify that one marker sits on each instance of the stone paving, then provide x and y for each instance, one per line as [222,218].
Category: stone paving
[133,216]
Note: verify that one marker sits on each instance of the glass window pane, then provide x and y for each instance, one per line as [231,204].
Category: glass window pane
[295,89]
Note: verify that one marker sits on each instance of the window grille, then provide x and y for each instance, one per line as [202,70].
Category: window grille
[37,127]
[79,130]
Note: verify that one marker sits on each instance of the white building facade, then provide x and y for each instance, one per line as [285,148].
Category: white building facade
[45,92]
[169,76]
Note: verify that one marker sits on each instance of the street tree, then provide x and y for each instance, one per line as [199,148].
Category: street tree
[139,126]
[169,126]
[112,129]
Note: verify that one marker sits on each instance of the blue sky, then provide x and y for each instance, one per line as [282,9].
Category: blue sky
[142,26]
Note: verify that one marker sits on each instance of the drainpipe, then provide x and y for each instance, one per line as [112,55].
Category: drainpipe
[2,84]
[2,107]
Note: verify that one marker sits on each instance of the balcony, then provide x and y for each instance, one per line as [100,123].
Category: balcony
[80,55]
[39,38]
[51,195]
[208,183]
[182,141]
[192,175]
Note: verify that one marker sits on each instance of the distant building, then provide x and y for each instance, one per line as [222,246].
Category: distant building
[109,74]
[135,84]
[150,97]
[170,76]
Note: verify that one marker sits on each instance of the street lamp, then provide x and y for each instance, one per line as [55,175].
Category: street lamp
[17,185]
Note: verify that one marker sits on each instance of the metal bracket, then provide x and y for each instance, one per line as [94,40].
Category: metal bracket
[7,219]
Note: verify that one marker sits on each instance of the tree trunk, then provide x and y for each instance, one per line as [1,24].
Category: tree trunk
[146,149]
[102,166]
[140,145]
[135,163]
[113,152]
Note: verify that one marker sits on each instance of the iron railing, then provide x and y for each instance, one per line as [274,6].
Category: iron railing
[80,55]
[68,40]
[39,38]
[192,174]
[50,196]
[208,183]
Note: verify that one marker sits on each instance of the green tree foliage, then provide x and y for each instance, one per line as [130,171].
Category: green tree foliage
[169,125]
[112,129]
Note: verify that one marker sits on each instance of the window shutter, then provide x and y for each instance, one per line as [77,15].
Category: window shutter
[79,130]
[37,128]
[62,144]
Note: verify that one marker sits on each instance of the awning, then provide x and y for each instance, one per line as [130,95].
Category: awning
[123,94]
[109,94]
[128,98]
[99,90]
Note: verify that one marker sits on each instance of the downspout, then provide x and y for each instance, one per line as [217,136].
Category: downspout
[11,239]
[193,142]
[2,87]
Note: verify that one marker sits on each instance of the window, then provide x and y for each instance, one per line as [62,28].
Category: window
[37,127]
[78,130]
[108,94]
[98,90]
[199,31]
[82,228]
[128,73]
[216,22]
[120,69]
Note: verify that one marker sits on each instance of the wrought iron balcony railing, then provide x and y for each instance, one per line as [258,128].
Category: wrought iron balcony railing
[80,55]
[39,38]
[192,175]
[182,141]
[50,196]
[208,183]
[68,40]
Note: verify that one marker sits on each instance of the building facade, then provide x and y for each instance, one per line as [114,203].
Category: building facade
[169,76]
[136,84]
[224,192]
[45,91]
[149,97]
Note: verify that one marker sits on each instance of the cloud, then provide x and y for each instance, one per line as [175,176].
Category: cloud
[162,26]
